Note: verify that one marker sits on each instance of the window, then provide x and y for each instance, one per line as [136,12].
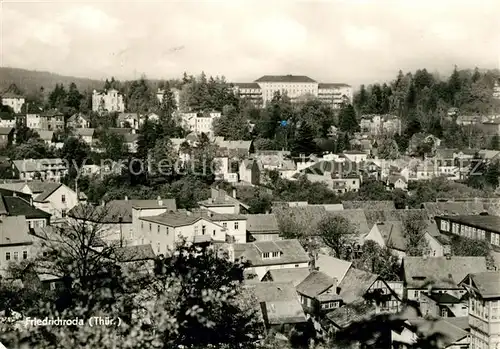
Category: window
[25,254]
[142,225]
[214,232]
[235,225]
[158,228]
[150,227]
[275,254]
[444,312]
[168,230]
[158,247]
[265,255]
[63,212]
[16,256]
[224,225]
[203,230]
[63,198]
[7,256]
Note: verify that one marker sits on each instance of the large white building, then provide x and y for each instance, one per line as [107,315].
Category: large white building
[199,122]
[295,87]
[175,91]
[110,100]
[14,101]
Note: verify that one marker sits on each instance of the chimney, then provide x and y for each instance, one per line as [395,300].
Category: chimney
[160,201]
[406,207]
[448,256]
[31,200]
[103,203]
[234,193]
[126,198]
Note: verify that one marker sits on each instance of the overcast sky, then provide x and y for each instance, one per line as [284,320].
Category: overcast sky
[352,41]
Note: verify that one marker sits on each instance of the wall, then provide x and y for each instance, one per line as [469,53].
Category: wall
[239,233]
[266,237]
[55,205]
[29,248]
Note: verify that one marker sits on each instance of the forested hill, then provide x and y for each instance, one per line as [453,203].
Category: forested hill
[32,80]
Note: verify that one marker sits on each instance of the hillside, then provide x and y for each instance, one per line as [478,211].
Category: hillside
[31,80]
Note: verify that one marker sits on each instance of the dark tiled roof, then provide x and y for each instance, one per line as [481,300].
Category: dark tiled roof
[134,253]
[440,272]
[52,113]
[285,78]
[448,332]
[120,130]
[262,223]
[350,313]
[355,284]
[247,85]
[43,189]
[332,85]
[16,206]
[443,298]
[372,205]
[487,283]
[11,95]
[85,132]
[315,284]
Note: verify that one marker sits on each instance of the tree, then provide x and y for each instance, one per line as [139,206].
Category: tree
[495,142]
[57,98]
[347,119]
[34,148]
[163,157]
[76,152]
[378,260]
[462,246]
[74,97]
[232,125]
[388,149]
[337,233]
[414,232]
[304,141]
[167,108]
[114,146]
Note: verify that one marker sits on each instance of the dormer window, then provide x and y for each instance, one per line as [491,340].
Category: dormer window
[271,255]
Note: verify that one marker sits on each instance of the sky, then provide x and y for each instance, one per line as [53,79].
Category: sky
[349,41]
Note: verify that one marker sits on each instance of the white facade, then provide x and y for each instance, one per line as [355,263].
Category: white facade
[292,89]
[15,102]
[59,202]
[199,123]
[33,121]
[111,101]
[7,122]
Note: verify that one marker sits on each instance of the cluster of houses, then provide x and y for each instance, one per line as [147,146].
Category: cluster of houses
[292,285]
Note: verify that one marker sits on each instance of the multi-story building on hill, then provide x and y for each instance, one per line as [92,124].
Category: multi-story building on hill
[110,100]
[13,100]
[295,87]
[496,90]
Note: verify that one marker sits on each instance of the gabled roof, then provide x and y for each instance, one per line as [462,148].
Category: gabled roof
[134,253]
[333,267]
[43,189]
[262,223]
[393,234]
[285,78]
[350,313]
[315,284]
[74,117]
[293,275]
[355,284]
[440,272]
[11,95]
[448,333]
[392,179]
[15,206]
[486,283]
[291,252]
[442,298]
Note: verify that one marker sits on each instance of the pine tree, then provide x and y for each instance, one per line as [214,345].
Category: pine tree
[347,119]
[454,85]
[495,142]
[304,142]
